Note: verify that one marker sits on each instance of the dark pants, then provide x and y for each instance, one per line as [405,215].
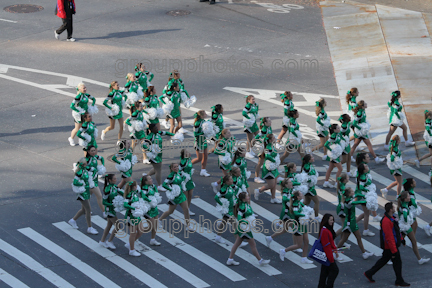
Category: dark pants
[67,24]
[386,256]
[329,274]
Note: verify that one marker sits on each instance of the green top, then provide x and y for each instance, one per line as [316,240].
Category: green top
[180,85]
[133,86]
[92,163]
[395,109]
[82,176]
[335,138]
[360,118]
[352,103]
[153,138]
[217,119]
[288,106]
[110,192]
[345,128]
[294,126]
[198,131]
[242,164]
[404,210]
[297,210]
[123,155]
[226,192]
[81,100]
[151,101]
[321,117]
[396,151]
[428,126]
[115,97]
[143,78]
[265,130]
[250,108]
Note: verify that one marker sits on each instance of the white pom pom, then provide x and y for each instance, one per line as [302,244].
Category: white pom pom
[114,111]
[176,190]
[79,189]
[178,136]
[153,201]
[216,129]
[140,92]
[208,129]
[192,171]
[118,203]
[77,115]
[160,113]
[181,130]
[95,133]
[295,140]
[158,197]
[371,201]
[91,183]
[427,137]
[313,180]
[248,174]
[131,127]
[151,113]
[132,97]
[226,159]
[405,225]
[273,165]
[75,167]
[249,122]
[336,151]
[168,107]
[395,120]
[137,125]
[92,109]
[101,170]
[302,177]
[286,121]
[301,188]
[134,160]
[187,177]
[184,97]
[124,165]
[396,164]
[84,143]
[190,102]
[415,212]
[325,127]
[365,127]
[224,209]
[308,212]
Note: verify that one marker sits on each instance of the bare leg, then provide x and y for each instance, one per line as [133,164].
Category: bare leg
[282,133]
[426,156]
[404,131]
[110,223]
[124,181]
[204,159]
[392,129]
[366,217]
[343,239]
[75,130]
[234,248]
[199,157]
[170,210]
[98,195]
[359,240]
[172,125]
[329,170]
[354,147]
[305,244]
[369,145]
[121,128]
[111,127]
[297,244]
[180,124]
[184,206]
[259,166]
[253,248]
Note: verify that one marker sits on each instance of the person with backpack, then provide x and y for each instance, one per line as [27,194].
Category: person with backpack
[327,235]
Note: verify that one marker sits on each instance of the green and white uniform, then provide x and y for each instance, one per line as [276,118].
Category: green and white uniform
[395,113]
[217,119]
[132,198]
[360,118]
[350,223]
[136,116]
[345,134]
[144,78]
[310,170]
[175,98]
[92,167]
[226,192]
[352,103]
[110,192]
[363,186]
[152,101]
[272,156]
[180,85]
[294,133]
[340,211]
[80,105]
[404,214]
[225,150]
[286,197]
[90,129]
[115,97]
[428,133]
[239,185]
[133,86]
[264,131]
[124,155]
[288,106]
[200,143]
[413,201]
[187,167]
[146,192]
[394,156]
[296,215]
[82,179]
[322,124]
[245,213]
[334,139]
[241,163]
[153,144]
[175,179]
[251,109]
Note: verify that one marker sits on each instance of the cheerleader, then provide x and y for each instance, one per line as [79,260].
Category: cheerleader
[125,161]
[396,119]
[134,90]
[394,163]
[111,191]
[225,151]
[297,212]
[175,184]
[144,77]
[365,190]
[150,194]
[175,78]
[94,170]
[115,111]
[351,100]
[265,129]
[427,227]
[133,216]
[88,132]
[345,130]
[136,122]
[217,118]
[342,180]
[250,115]
[200,143]
[294,137]
[312,178]
[361,130]
[174,98]
[81,185]
[151,101]
[152,146]
[427,137]
[409,184]
[244,214]
[79,106]
[270,169]
[240,162]
[322,125]
[406,221]
[187,167]
[225,205]
[350,223]
[335,147]
[286,99]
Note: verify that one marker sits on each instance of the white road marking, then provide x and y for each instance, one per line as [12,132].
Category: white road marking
[11,280]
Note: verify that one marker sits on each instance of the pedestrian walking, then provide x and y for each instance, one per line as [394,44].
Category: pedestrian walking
[65,9]
[327,235]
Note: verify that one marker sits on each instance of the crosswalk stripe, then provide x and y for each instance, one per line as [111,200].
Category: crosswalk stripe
[269,270]
[158,258]
[259,237]
[34,265]
[87,270]
[11,280]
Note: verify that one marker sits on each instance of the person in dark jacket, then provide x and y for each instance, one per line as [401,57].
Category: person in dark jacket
[65,9]
[390,238]
[328,273]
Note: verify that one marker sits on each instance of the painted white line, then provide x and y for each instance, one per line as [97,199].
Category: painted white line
[422,177]
[158,258]
[204,232]
[11,280]
[8,20]
[33,265]
[87,270]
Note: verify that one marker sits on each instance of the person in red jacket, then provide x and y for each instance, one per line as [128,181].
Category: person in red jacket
[328,273]
[390,238]
[65,9]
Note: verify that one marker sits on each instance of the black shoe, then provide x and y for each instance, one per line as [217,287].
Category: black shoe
[403,284]
[212,2]
[369,278]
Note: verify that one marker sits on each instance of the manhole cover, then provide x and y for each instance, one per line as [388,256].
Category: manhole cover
[178,12]
[23,8]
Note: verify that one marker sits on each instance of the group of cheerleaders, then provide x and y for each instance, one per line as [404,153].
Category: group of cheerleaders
[138,201]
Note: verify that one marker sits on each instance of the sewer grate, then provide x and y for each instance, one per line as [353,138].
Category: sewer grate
[178,12]
[23,8]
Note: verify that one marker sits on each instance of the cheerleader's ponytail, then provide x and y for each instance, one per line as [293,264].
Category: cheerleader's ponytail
[107,178]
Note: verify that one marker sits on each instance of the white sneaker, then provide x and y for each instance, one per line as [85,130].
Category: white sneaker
[389,262]
[347,245]
[379,160]
[366,255]
[263,262]
[191,213]
[110,245]
[243,244]
[259,180]
[71,141]
[275,201]
[377,218]
[103,244]
[134,253]
[91,230]
[417,163]
[72,222]
[218,239]
[300,250]
[127,246]
[249,155]
[232,262]
[324,158]
[353,159]
[215,185]
[204,173]
[146,161]
[384,193]
[57,36]
[256,194]
[423,260]
[409,143]
[104,215]
[269,239]
[427,229]
[328,185]
[70,39]
[368,233]
[282,254]
[305,260]
[153,242]
[166,124]
[144,174]
[350,175]
[161,188]
[103,135]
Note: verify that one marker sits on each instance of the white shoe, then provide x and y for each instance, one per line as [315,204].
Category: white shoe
[57,36]
[218,239]
[146,161]
[161,188]
[300,250]
[282,254]
[103,244]
[91,230]
[379,160]
[127,246]
[366,255]
[190,228]
[417,163]
[181,130]
[104,215]
[324,158]
[328,185]
[232,262]
[384,192]
[249,155]
[377,218]
[144,174]
[71,141]
[70,39]
[243,244]
[263,262]
[204,173]
[409,143]
[423,260]
[275,201]
[427,229]
[153,242]
[103,135]
[389,262]
[160,225]
[134,253]
[259,180]
[72,222]
[256,194]
[269,239]
[191,213]
[347,245]
[305,260]
[350,175]
[353,159]
[215,185]
[368,233]
[110,245]
[166,124]
[318,219]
